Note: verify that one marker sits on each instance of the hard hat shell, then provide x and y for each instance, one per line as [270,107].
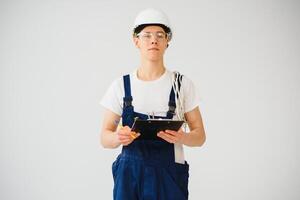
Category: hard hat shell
[152,16]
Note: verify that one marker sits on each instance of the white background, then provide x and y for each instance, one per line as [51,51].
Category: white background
[57,59]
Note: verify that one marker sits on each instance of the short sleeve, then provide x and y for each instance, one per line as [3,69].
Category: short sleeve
[191,96]
[112,99]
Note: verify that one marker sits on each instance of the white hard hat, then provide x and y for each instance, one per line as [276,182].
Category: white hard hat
[152,16]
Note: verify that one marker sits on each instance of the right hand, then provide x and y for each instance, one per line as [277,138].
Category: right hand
[126,136]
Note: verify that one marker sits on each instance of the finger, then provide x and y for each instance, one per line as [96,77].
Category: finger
[127,128]
[160,133]
[124,131]
[125,141]
[170,136]
[124,137]
[176,136]
[126,134]
[165,137]
[171,132]
[130,137]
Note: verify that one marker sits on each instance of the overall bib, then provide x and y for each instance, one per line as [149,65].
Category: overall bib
[146,169]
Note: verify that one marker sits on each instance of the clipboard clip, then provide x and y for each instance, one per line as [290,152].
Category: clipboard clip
[151,116]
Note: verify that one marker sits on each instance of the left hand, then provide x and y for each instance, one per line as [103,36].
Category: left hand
[172,136]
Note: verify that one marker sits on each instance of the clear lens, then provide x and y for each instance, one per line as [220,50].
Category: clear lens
[146,36]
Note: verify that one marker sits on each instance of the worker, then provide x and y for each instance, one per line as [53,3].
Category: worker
[151,169]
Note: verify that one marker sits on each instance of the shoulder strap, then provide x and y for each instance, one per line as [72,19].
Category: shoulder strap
[127,100]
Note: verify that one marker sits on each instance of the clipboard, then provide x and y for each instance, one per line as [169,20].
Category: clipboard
[150,127]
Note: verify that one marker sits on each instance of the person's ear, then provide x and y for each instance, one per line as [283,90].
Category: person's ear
[167,45]
[136,41]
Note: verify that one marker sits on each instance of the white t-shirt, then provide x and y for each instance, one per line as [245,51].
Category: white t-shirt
[151,97]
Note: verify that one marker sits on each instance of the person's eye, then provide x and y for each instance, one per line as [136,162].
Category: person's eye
[160,35]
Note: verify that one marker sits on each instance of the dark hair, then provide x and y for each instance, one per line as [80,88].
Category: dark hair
[139,28]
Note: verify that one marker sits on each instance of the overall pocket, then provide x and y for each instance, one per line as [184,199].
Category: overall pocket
[182,176]
[114,168]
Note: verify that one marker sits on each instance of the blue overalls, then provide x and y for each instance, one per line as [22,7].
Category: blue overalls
[146,169]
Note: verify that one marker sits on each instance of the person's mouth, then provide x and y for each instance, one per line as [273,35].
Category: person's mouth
[153,49]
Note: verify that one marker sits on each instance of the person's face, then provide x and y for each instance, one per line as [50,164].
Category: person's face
[152,42]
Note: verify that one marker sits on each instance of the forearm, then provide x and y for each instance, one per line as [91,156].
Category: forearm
[193,138]
[109,139]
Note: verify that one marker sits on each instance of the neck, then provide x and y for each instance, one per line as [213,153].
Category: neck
[150,70]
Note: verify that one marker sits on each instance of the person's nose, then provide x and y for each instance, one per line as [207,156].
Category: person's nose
[153,39]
